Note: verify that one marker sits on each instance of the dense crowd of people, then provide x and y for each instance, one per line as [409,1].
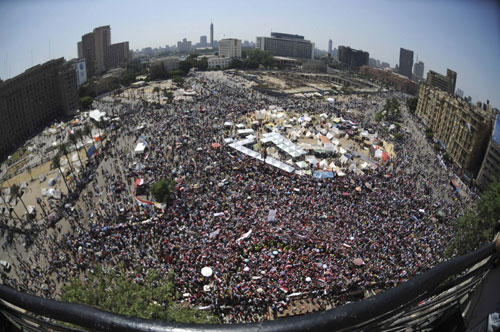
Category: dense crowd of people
[327,242]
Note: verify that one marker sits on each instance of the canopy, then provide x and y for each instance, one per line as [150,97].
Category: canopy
[206,271]
[96,115]
[140,147]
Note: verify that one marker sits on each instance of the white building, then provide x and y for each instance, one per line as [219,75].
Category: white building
[218,63]
[230,48]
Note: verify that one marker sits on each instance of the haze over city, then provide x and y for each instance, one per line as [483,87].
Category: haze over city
[460,35]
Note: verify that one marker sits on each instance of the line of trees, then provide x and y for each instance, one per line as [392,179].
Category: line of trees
[122,292]
[478,226]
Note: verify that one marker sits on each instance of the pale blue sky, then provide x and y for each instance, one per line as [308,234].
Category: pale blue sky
[461,35]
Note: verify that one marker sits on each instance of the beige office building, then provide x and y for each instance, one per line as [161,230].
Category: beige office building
[230,48]
[491,163]
[32,99]
[462,128]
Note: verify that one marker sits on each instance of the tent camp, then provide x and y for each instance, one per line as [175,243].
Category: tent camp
[140,148]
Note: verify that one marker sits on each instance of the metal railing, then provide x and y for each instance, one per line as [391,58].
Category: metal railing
[419,303]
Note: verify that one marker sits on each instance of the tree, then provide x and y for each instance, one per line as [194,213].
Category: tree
[56,163]
[16,192]
[412,104]
[123,293]
[477,227]
[86,102]
[156,90]
[81,137]
[74,140]
[63,149]
[158,72]
[87,131]
[185,66]
[11,209]
[236,64]
[178,80]
[162,190]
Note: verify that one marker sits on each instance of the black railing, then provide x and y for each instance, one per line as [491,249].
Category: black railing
[419,303]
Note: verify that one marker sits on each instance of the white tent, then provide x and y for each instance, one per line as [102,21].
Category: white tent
[96,115]
[140,148]
[343,160]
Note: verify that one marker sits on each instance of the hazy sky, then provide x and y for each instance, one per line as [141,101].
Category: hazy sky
[460,35]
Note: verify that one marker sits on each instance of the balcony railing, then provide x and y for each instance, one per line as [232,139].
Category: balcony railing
[420,303]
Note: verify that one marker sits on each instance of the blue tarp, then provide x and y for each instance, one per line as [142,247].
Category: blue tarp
[91,151]
[323,175]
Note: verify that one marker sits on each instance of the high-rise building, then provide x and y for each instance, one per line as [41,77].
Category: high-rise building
[203,41]
[100,55]
[446,83]
[330,47]
[34,98]
[80,50]
[459,93]
[353,58]
[230,48]
[287,45]
[81,70]
[184,45]
[405,62]
[490,167]
[418,69]
[463,129]
[102,36]
[211,35]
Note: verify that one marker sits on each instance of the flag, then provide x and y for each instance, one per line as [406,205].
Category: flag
[244,236]
[284,289]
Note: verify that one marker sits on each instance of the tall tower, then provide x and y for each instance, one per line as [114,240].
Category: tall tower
[211,35]
[330,47]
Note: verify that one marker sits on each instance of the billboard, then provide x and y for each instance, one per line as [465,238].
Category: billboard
[81,72]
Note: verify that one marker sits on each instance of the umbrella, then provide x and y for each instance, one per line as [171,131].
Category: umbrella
[358,261]
[206,271]
[308,279]
[246,269]
[259,290]
[275,253]
[215,145]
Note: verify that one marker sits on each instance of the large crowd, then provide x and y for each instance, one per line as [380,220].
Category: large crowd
[328,239]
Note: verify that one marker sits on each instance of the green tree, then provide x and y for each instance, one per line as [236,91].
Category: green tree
[185,66]
[86,102]
[162,190]
[157,72]
[63,150]
[56,163]
[73,138]
[11,209]
[178,80]
[16,192]
[412,104]
[477,227]
[79,134]
[122,293]
[236,64]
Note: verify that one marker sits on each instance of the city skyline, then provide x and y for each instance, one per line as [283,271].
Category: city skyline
[436,32]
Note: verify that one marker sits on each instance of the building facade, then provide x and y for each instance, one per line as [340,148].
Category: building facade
[330,47]
[463,129]
[184,45]
[490,168]
[230,48]
[418,69]
[100,55]
[353,58]
[218,63]
[400,82]
[169,63]
[405,62]
[203,41]
[286,45]
[445,83]
[32,99]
